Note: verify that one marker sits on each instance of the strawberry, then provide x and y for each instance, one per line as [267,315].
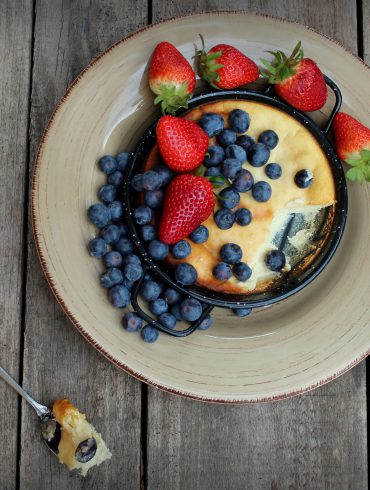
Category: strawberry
[226,67]
[352,140]
[170,77]
[182,143]
[188,201]
[298,80]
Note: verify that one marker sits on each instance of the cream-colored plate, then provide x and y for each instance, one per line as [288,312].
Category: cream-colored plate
[278,352]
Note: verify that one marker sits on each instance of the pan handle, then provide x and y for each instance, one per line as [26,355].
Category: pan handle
[337,105]
[155,323]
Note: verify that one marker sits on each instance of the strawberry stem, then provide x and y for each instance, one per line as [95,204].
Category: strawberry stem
[282,67]
[208,66]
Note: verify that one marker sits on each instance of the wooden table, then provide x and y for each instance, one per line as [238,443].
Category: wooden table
[158,441]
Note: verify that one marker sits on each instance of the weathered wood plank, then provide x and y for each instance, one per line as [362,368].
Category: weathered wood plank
[15,56]
[57,361]
[366,29]
[313,441]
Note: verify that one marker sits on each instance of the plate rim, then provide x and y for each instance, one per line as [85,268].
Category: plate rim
[42,255]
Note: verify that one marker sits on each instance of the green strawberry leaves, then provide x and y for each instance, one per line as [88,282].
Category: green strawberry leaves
[282,67]
[173,97]
[208,65]
[360,170]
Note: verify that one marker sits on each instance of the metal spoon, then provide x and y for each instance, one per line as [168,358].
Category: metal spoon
[50,428]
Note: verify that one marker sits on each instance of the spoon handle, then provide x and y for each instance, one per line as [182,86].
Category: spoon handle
[41,410]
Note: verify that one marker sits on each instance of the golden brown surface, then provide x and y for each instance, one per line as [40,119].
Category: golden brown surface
[297,149]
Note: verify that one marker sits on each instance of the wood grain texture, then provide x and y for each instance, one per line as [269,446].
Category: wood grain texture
[57,361]
[15,31]
[366,29]
[313,441]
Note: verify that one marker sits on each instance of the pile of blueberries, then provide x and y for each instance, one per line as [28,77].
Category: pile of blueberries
[124,267]
[225,160]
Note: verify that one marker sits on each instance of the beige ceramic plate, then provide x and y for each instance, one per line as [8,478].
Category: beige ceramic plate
[278,352]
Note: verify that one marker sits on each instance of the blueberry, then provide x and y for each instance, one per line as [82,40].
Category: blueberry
[261,191]
[269,138]
[116,178]
[230,168]
[273,171]
[167,320]
[158,250]
[153,199]
[110,234]
[99,215]
[243,216]
[149,334]
[122,160]
[231,253]
[116,210]
[165,174]
[132,322]
[113,259]
[243,181]
[151,180]
[123,230]
[150,290]
[303,178]
[148,276]
[171,296]
[206,323]
[211,123]
[242,271]
[97,248]
[275,260]
[191,309]
[176,312]
[213,172]
[186,274]
[119,296]
[229,198]
[131,259]
[245,141]
[236,152]
[214,156]
[241,312]
[107,164]
[148,233]
[132,272]
[258,154]
[128,284]
[200,234]
[107,193]
[137,182]
[227,137]
[124,246]
[224,218]
[222,271]
[143,215]
[239,120]
[181,249]
[158,306]
[111,277]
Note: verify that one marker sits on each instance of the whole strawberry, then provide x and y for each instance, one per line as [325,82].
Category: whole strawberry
[171,78]
[226,67]
[188,201]
[298,80]
[182,143]
[352,140]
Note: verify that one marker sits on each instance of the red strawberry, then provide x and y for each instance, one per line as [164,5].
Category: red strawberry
[226,67]
[182,143]
[188,201]
[170,77]
[352,141]
[299,81]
